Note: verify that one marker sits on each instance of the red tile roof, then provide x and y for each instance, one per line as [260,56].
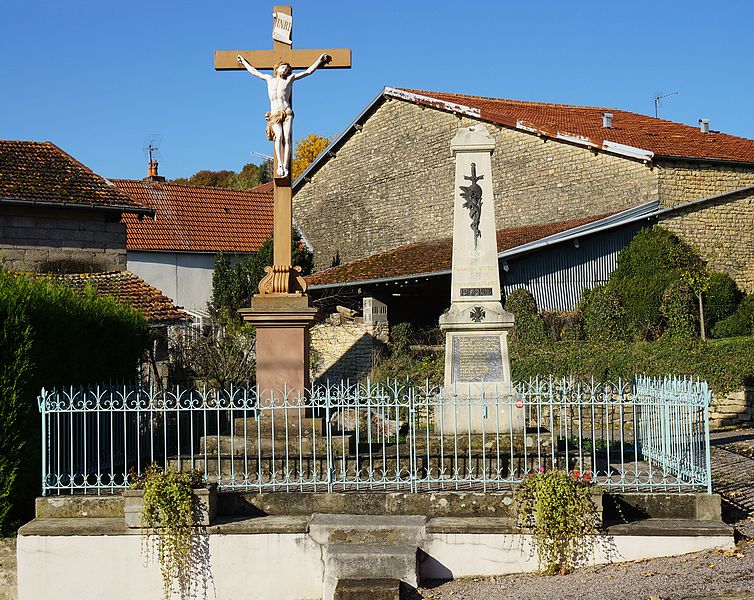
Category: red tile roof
[431,256]
[663,138]
[126,287]
[198,218]
[41,173]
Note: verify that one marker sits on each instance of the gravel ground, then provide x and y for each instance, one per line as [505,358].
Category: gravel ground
[704,575]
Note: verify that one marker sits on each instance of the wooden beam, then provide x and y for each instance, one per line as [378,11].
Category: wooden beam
[225,60]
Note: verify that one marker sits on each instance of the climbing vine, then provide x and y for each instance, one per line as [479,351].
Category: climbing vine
[170,512]
[557,508]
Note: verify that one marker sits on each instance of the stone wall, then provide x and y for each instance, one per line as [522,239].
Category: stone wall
[733,408]
[681,182]
[722,231]
[8,568]
[346,348]
[392,183]
[61,240]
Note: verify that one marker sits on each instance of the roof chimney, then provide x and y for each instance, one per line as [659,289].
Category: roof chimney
[704,125]
[152,173]
[607,120]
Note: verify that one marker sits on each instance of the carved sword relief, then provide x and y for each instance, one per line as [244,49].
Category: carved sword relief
[472,194]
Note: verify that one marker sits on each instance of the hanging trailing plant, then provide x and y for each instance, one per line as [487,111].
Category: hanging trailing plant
[170,512]
[557,508]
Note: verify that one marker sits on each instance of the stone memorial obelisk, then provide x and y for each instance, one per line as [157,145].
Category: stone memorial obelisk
[281,311]
[477,391]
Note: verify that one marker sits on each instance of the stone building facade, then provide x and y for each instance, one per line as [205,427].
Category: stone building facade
[61,240]
[388,181]
[367,199]
[57,215]
[722,231]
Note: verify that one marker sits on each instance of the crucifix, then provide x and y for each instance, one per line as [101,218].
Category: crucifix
[281,277]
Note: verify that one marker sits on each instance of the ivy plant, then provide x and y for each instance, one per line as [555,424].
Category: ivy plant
[556,507]
[168,517]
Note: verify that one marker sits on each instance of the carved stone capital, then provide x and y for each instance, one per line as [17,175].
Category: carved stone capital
[282,279]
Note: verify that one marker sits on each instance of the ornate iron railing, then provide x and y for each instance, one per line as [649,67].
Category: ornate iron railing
[650,434]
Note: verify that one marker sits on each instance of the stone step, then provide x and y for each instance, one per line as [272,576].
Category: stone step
[374,589]
[368,561]
[251,446]
[294,420]
[377,530]
[345,466]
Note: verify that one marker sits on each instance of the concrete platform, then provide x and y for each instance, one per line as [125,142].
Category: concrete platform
[306,555]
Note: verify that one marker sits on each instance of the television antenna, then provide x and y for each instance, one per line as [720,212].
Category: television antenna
[264,156]
[659,97]
[151,147]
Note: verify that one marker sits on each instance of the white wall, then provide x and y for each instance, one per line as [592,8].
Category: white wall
[184,277]
[91,567]
[284,565]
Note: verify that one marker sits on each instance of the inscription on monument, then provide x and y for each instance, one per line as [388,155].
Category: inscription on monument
[477,358]
[476,291]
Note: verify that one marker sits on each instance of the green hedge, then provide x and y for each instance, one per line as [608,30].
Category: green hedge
[51,336]
[724,364]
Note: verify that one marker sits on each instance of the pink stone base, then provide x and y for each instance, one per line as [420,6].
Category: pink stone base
[282,325]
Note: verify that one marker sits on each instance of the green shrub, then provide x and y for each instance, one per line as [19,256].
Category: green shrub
[604,317]
[402,337]
[654,259]
[529,326]
[52,336]
[740,322]
[679,311]
[721,298]
[411,369]
[563,325]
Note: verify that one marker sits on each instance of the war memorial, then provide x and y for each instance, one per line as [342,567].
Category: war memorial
[355,489]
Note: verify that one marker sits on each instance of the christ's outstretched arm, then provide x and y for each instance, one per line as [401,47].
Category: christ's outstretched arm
[322,60]
[247,65]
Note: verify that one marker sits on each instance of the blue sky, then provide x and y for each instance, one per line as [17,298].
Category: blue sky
[97,77]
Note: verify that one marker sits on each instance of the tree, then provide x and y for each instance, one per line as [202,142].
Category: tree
[250,176]
[699,281]
[233,286]
[307,149]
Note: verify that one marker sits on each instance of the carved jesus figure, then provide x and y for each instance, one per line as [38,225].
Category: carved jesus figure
[280,117]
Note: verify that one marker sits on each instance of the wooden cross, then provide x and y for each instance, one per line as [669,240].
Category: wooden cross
[281,278]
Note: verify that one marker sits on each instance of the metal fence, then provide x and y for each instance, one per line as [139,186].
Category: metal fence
[648,434]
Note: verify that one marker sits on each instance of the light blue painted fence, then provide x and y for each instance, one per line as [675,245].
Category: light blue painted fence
[649,434]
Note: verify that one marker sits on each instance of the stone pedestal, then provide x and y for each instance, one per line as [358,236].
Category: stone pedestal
[477,392]
[282,323]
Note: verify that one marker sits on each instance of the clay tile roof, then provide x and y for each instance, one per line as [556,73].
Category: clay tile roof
[126,287]
[431,256]
[197,218]
[663,138]
[41,173]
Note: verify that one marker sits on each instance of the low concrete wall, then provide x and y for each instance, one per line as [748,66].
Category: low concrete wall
[453,555]
[276,556]
[239,565]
